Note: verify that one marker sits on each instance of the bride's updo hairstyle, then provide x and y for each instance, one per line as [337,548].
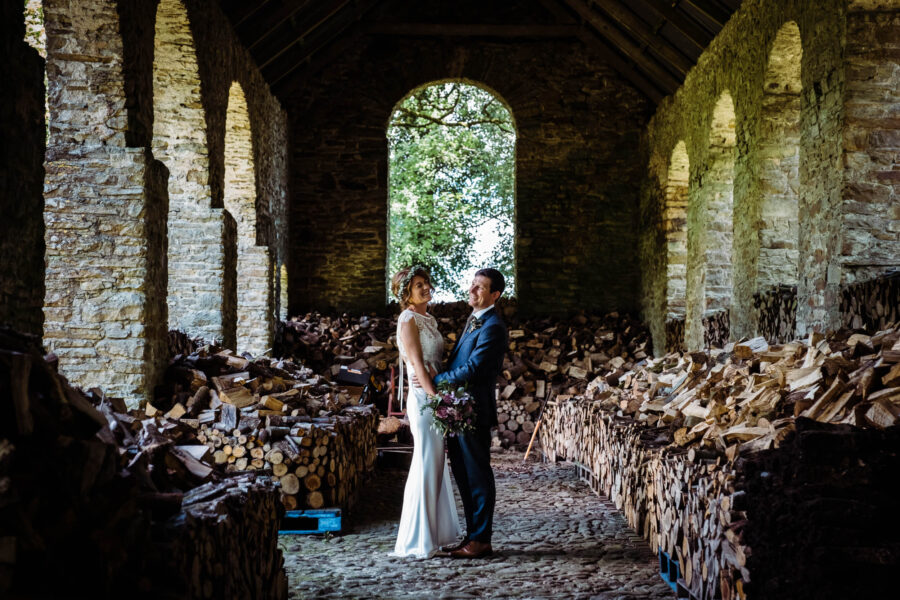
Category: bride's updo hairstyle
[401,283]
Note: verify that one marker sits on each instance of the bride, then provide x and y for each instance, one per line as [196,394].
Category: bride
[429,518]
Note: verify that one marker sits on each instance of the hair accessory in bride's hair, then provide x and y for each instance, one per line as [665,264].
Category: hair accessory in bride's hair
[404,283]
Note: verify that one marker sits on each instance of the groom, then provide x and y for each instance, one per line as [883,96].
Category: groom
[475,362]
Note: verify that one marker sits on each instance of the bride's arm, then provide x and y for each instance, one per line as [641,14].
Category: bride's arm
[409,333]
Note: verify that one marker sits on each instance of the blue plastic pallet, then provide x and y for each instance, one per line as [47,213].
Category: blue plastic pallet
[671,574]
[311,521]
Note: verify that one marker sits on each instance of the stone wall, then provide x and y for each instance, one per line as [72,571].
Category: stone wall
[129,214]
[748,60]
[21,175]
[871,191]
[578,165]
[105,212]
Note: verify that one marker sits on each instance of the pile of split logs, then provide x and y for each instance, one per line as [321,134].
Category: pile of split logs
[274,417]
[775,312]
[108,500]
[544,356]
[872,304]
[669,443]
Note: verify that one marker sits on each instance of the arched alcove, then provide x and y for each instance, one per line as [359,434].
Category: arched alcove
[201,289]
[779,150]
[676,196]
[254,285]
[451,200]
[711,231]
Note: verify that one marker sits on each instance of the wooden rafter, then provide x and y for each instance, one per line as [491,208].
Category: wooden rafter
[646,63]
[473,30]
[273,20]
[360,8]
[316,21]
[620,65]
[693,32]
[642,32]
[709,10]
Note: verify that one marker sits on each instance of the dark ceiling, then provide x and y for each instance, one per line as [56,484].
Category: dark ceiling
[651,43]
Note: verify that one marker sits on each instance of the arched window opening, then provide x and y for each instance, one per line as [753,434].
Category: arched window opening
[779,149]
[676,194]
[711,234]
[452,185]
[254,285]
[35,34]
[201,288]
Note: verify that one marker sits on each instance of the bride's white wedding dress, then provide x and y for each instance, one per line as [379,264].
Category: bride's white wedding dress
[429,519]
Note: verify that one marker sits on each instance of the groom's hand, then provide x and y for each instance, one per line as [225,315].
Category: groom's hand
[415,380]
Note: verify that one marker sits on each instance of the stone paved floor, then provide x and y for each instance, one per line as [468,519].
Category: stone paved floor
[553,538]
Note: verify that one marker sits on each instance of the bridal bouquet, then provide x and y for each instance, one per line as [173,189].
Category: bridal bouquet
[453,410]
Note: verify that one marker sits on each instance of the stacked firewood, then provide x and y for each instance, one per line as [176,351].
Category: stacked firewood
[775,313]
[668,443]
[239,514]
[872,304]
[544,356]
[275,417]
[675,334]
[716,329]
[101,497]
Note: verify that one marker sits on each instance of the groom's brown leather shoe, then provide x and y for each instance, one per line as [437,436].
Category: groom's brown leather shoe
[457,546]
[473,549]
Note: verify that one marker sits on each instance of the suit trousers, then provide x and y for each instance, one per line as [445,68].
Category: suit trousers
[470,460]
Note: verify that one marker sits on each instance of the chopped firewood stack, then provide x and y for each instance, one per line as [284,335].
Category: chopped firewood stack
[775,313]
[544,357]
[716,329]
[274,417]
[102,497]
[668,444]
[674,334]
[872,304]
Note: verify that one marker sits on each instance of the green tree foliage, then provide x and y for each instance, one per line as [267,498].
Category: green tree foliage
[452,166]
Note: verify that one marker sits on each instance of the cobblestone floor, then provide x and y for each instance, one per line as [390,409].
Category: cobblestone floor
[553,538]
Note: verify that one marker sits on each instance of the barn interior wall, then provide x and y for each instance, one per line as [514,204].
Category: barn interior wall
[578,167]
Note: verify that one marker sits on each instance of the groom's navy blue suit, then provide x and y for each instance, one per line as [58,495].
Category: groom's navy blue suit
[476,361]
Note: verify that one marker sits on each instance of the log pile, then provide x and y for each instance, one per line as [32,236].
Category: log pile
[101,498]
[775,313]
[671,447]
[274,417]
[872,304]
[716,329]
[674,335]
[544,356]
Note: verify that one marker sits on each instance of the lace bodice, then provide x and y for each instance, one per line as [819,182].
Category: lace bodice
[429,337]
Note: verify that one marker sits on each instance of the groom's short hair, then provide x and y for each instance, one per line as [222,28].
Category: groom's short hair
[498,283]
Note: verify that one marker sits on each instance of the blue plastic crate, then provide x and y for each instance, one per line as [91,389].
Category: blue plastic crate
[311,521]
[668,570]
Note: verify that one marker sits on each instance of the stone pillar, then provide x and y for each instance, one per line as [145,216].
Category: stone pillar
[201,296]
[870,227]
[105,213]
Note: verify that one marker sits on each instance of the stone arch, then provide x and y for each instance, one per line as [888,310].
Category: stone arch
[711,229]
[676,198]
[779,148]
[495,96]
[202,249]
[254,295]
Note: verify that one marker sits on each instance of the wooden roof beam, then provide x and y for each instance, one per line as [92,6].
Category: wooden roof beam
[694,33]
[332,9]
[658,74]
[709,10]
[361,8]
[620,65]
[473,30]
[642,32]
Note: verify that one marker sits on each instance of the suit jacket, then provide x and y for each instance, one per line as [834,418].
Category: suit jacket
[476,361]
